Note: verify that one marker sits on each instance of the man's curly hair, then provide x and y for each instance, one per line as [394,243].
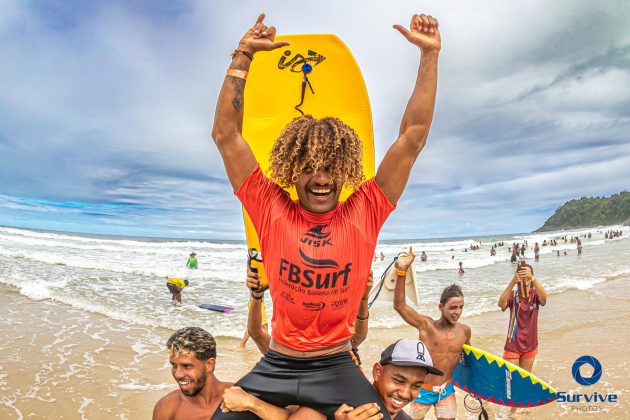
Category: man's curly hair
[193,340]
[307,143]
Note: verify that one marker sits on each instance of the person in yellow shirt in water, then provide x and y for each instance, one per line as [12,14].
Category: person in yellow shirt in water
[175,286]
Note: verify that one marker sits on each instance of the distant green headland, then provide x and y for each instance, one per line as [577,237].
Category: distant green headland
[589,212]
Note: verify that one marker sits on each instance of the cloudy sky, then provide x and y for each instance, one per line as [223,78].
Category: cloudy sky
[106,110]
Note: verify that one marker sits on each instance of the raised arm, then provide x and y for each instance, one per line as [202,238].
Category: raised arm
[542,293]
[527,275]
[361,324]
[503,299]
[407,313]
[227,131]
[393,172]
[254,318]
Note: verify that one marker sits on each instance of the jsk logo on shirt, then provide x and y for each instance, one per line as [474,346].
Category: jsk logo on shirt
[318,275]
[316,237]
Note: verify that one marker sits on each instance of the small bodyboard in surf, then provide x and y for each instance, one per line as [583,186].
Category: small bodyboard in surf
[217,308]
[493,379]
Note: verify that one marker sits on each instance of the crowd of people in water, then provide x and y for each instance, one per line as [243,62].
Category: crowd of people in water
[317,254]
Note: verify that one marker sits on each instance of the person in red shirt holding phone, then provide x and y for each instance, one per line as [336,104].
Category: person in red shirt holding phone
[524,295]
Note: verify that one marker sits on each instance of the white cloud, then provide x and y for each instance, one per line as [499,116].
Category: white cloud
[109,101]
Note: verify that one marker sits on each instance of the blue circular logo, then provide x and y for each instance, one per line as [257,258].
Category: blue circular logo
[597,370]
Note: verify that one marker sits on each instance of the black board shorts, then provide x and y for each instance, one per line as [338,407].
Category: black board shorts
[322,383]
[173,289]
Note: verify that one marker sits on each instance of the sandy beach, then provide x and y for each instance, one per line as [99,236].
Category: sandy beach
[61,362]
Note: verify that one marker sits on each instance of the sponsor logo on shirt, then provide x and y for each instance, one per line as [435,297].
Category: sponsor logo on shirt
[339,304]
[315,276]
[316,237]
[313,306]
[287,296]
[293,273]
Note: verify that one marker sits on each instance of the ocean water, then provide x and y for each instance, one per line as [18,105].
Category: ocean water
[124,278]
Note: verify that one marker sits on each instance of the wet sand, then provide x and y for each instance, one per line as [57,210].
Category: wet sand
[61,362]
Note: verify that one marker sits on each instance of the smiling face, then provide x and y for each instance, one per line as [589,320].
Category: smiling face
[397,385]
[452,309]
[190,372]
[317,191]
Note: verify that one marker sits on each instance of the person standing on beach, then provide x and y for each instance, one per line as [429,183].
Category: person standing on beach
[579,246]
[192,261]
[523,295]
[193,353]
[461,268]
[316,290]
[175,285]
[536,252]
[444,338]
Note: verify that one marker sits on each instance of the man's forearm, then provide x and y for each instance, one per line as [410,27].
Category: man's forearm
[361,323]
[503,299]
[417,118]
[254,318]
[268,411]
[399,295]
[228,117]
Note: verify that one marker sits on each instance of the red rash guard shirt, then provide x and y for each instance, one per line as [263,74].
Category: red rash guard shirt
[527,324]
[317,264]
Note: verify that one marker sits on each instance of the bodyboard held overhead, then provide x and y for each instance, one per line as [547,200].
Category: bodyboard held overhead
[493,379]
[274,88]
[383,289]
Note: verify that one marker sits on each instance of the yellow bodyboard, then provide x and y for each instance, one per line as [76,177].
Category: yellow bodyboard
[274,88]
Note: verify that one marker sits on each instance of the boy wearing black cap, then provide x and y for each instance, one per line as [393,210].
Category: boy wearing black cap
[445,337]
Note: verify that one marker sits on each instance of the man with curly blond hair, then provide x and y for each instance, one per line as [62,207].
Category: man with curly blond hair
[318,251]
